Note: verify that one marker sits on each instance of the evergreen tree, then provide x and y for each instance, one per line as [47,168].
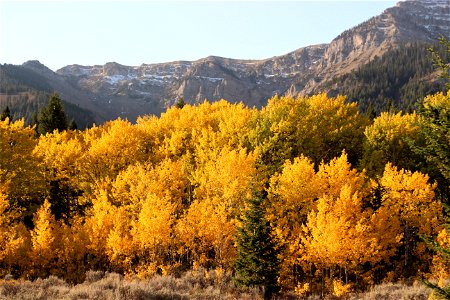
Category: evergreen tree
[433,149]
[35,122]
[180,103]
[441,62]
[403,75]
[64,200]
[370,111]
[5,114]
[257,263]
[52,116]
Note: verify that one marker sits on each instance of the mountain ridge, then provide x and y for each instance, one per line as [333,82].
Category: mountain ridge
[113,90]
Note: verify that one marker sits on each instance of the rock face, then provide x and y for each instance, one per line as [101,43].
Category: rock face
[130,91]
[114,90]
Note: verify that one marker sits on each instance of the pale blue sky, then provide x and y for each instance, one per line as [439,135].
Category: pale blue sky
[58,33]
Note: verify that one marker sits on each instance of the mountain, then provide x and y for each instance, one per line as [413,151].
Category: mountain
[114,90]
[397,80]
[25,90]
[130,91]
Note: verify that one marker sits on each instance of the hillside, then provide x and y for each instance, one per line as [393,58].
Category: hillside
[114,90]
[400,77]
[26,92]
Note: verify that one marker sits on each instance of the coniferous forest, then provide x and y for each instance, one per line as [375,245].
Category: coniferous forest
[397,80]
[26,93]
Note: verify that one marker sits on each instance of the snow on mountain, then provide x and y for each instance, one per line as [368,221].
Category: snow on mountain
[149,88]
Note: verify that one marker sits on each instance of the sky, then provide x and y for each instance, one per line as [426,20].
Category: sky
[60,33]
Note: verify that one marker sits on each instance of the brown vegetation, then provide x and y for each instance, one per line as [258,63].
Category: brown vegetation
[199,284]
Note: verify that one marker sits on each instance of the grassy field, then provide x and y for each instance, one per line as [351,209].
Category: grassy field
[192,285]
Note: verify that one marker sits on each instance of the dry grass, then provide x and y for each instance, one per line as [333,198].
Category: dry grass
[398,291]
[99,285]
[192,285]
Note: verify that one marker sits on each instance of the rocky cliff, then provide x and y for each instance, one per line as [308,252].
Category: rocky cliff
[114,90]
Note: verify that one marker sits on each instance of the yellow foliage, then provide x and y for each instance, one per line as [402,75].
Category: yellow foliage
[338,173]
[168,192]
[44,236]
[330,231]
[410,197]
[302,289]
[223,181]
[119,242]
[441,264]
[440,101]
[288,127]
[99,223]
[72,255]
[60,152]
[172,133]
[168,179]
[111,148]
[224,173]
[294,189]
[386,141]
[153,232]
[136,212]
[206,227]
[292,196]
[19,168]
[336,233]
[341,231]
[46,242]
[443,238]
[14,238]
[341,289]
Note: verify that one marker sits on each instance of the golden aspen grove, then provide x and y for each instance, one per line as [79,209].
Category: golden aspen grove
[349,198]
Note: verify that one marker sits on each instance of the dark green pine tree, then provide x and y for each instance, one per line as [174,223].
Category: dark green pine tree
[442,63]
[5,114]
[52,116]
[370,111]
[257,263]
[436,152]
[180,103]
[434,149]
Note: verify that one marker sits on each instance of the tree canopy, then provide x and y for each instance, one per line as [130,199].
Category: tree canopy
[342,205]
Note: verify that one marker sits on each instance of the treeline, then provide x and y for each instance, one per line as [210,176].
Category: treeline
[397,80]
[27,106]
[347,199]
[26,93]
[17,79]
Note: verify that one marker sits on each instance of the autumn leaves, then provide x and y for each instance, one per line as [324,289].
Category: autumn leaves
[165,194]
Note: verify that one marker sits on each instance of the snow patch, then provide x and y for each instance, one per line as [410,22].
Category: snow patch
[211,79]
[114,79]
[158,77]
[85,71]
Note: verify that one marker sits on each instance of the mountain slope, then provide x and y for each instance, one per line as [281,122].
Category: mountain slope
[26,92]
[409,22]
[114,90]
[400,77]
